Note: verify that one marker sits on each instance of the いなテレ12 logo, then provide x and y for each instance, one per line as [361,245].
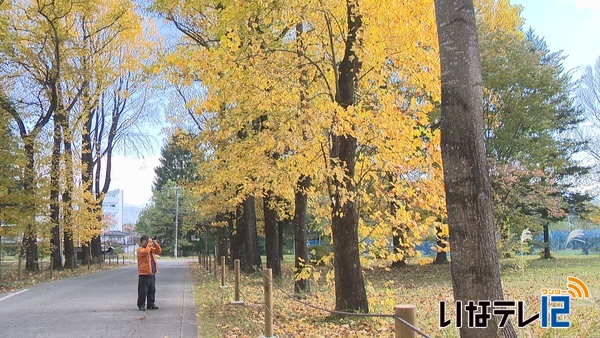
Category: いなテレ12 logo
[556,303]
[555,306]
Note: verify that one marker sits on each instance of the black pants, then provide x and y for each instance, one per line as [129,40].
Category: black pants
[146,289]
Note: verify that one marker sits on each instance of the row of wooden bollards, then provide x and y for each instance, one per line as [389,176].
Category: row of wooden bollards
[401,330]
[209,263]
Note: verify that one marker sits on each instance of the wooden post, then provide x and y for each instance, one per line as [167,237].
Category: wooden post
[72,263]
[209,264]
[268,303]
[222,271]
[236,272]
[406,312]
[237,279]
[52,267]
[199,260]
[215,267]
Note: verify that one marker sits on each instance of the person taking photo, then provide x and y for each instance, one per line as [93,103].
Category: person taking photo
[147,269]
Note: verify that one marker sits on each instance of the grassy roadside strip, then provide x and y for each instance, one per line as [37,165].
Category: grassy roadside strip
[425,286]
[216,316]
[10,281]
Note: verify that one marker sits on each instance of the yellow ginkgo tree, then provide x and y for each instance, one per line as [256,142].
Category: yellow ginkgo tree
[335,91]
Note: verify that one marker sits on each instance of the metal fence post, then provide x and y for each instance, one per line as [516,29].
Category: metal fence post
[406,312]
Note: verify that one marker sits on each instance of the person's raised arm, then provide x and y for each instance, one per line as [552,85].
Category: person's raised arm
[156,248]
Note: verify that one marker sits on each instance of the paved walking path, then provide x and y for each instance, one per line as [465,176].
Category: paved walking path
[102,304]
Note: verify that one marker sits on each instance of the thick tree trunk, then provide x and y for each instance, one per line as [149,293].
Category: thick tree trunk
[271,235]
[86,255]
[301,281]
[30,234]
[96,242]
[398,236]
[69,250]
[223,235]
[54,193]
[96,246]
[280,226]
[301,284]
[238,232]
[253,262]
[547,251]
[474,264]
[350,294]
[69,247]
[441,257]
[441,240]
[398,244]
[87,175]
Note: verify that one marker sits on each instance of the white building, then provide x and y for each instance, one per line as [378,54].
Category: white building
[112,206]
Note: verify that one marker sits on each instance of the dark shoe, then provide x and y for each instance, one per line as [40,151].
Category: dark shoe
[142,308]
[152,307]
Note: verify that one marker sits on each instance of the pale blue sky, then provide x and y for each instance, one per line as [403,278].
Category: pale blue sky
[569,25]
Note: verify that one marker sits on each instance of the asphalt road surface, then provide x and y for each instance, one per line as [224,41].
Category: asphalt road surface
[102,304]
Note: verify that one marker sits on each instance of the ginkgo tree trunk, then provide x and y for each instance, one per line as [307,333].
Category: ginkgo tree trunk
[474,264]
[350,291]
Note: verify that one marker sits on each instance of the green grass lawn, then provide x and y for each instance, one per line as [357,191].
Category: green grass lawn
[425,286]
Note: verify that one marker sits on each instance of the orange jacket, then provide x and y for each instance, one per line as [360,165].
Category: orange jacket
[143,257]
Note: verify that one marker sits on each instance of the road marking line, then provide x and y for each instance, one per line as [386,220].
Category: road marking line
[13,294]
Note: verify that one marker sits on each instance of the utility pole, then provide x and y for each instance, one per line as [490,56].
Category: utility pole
[176,217]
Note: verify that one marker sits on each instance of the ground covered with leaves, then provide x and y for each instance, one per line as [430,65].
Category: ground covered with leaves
[422,285]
